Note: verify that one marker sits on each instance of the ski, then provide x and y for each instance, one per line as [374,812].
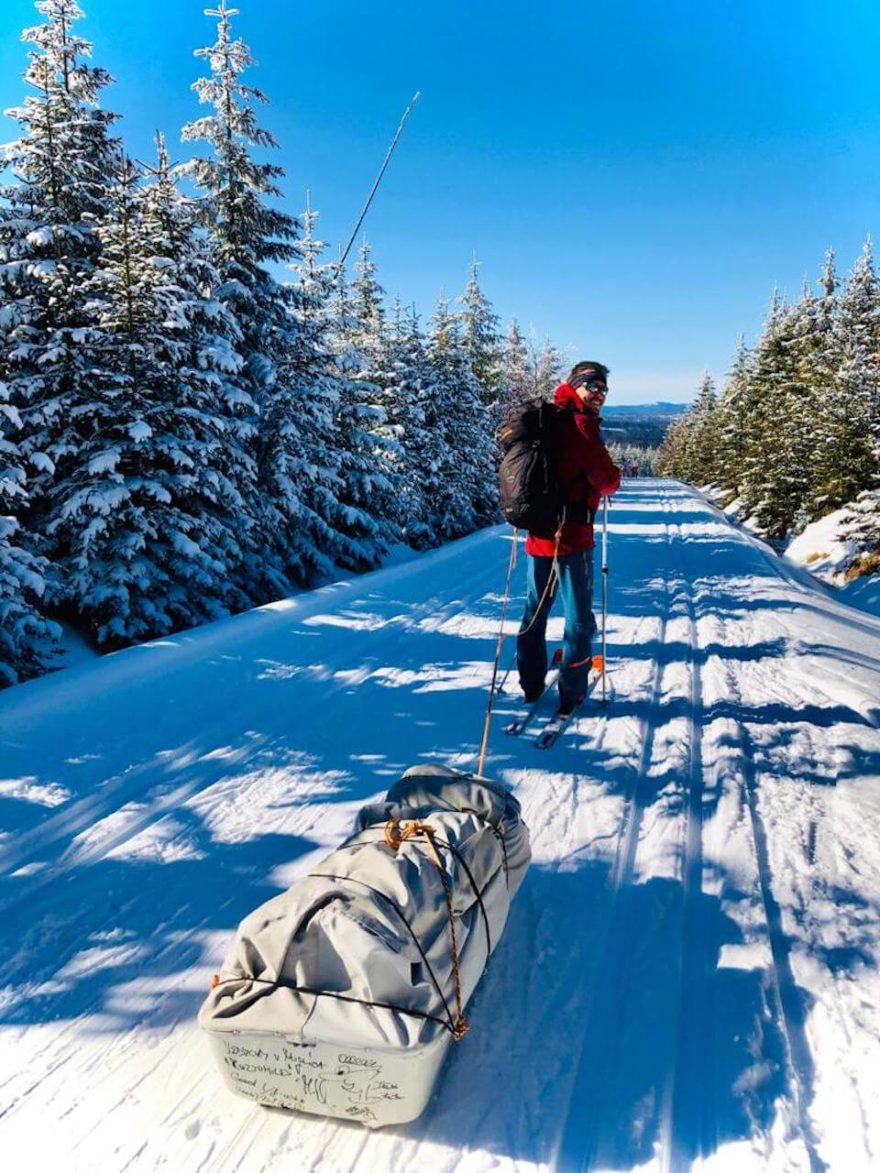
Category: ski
[551,731]
[553,728]
[516,727]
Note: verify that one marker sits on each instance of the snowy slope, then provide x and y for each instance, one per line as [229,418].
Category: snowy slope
[828,556]
[690,973]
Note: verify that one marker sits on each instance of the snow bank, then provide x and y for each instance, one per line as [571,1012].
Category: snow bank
[825,553]
[822,550]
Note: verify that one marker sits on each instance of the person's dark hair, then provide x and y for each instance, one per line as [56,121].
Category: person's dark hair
[581,368]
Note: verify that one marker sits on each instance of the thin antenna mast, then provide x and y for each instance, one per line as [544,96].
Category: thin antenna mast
[406,115]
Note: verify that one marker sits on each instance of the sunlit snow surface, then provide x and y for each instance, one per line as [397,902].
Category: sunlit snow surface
[827,554]
[689,974]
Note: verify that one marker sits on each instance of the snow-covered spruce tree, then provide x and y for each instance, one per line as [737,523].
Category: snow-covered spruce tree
[862,526]
[367,299]
[634,456]
[548,368]
[688,451]
[61,166]
[311,463]
[203,405]
[811,398]
[847,434]
[519,380]
[483,344]
[795,401]
[758,460]
[858,327]
[247,234]
[701,442]
[297,434]
[776,463]
[672,458]
[733,421]
[367,495]
[27,638]
[151,520]
[470,497]
[412,379]
[369,337]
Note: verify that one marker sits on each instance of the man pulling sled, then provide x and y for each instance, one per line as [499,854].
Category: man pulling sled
[554,471]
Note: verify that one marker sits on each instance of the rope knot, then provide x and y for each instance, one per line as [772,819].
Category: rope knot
[397,832]
[460,1029]
[393,834]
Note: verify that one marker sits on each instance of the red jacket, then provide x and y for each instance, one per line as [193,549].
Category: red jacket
[586,473]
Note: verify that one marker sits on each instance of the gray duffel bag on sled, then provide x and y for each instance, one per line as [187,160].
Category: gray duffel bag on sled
[342,995]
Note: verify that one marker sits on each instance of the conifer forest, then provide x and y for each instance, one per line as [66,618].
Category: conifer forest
[795,433]
[201,410]
[185,434]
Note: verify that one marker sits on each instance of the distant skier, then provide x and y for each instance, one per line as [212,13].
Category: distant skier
[586,473]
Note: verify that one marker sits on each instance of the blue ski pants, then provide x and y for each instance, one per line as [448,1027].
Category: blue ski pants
[574,573]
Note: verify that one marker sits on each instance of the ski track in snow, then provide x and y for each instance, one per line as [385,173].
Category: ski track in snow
[689,976]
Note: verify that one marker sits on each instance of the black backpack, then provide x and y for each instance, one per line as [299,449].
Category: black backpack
[528,473]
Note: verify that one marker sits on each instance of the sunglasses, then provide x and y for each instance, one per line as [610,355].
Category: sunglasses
[596,386]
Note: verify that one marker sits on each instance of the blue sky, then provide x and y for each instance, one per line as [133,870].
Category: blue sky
[634,177]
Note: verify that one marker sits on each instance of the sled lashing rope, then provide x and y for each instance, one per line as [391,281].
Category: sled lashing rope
[397,832]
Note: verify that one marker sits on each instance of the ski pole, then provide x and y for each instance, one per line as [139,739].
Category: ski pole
[366,208]
[604,584]
[484,745]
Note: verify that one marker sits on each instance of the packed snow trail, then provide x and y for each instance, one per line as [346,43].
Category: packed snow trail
[689,977]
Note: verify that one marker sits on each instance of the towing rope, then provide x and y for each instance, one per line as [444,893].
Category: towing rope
[484,744]
[398,832]
[549,589]
[552,577]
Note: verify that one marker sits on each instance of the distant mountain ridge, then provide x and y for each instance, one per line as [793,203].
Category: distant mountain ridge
[659,408]
[644,424]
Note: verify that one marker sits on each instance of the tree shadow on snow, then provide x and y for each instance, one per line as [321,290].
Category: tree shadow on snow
[598,1046]
[588,1034]
[112,941]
